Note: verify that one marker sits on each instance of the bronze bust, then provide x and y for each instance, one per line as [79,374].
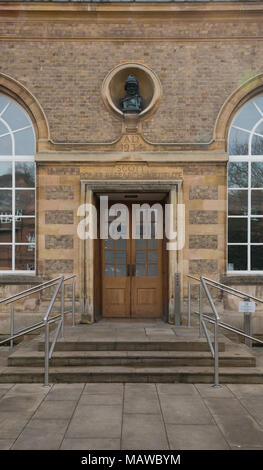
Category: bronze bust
[132,102]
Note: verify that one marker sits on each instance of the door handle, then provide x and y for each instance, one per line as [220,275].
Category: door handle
[133,269]
[130,269]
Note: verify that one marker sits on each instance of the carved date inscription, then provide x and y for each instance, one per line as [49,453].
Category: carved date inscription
[132,143]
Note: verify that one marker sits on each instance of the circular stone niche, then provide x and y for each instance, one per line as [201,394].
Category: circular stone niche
[149,87]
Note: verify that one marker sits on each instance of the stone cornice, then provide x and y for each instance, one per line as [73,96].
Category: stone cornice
[124,11]
[133,157]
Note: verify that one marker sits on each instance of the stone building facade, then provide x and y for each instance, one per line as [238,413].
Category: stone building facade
[65,62]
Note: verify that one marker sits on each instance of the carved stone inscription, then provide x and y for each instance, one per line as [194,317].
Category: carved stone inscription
[131,171]
[132,143]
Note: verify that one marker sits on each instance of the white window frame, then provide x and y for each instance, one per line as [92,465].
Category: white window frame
[249,159]
[14,159]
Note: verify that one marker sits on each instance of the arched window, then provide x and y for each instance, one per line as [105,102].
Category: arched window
[245,189]
[17,188]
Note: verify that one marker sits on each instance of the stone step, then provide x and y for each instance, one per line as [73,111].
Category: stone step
[127,345]
[132,374]
[25,358]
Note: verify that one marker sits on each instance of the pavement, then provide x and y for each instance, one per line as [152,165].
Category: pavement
[131,416]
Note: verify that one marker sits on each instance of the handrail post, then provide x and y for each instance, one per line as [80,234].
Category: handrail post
[62,307]
[200,311]
[46,384]
[73,302]
[12,326]
[177,299]
[189,305]
[216,361]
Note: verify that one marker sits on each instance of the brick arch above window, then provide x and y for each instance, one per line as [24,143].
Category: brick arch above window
[18,92]
[248,90]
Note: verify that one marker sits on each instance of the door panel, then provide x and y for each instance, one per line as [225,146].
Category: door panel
[146,290]
[116,279]
[132,277]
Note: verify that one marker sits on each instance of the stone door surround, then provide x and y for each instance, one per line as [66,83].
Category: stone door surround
[86,255]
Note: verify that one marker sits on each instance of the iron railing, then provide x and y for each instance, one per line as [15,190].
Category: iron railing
[215,319]
[59,282]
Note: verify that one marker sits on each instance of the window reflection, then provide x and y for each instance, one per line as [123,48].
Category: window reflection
[257,145]
[5,205]
[238,175]
[24,258]
[237,202]
[237,258]
[5,230]
[140,270]
[25,175]
[121,270]
[237,230]
[257,202]
[24,142]
[5,174]
[257,174]
[152,270]
[238,142]
[6,145]
[25,202]
[257,231]
[109,270]
[256,258]
[248,116]
[25,230]
[5,257]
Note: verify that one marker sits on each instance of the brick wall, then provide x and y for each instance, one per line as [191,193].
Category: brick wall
[63,63]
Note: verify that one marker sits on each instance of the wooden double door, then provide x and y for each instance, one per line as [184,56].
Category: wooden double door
[132,275]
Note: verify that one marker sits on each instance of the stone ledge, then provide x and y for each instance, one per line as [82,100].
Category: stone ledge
[242,279]
[20,279]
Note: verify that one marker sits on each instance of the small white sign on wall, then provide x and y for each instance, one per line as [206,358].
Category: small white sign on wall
[247,306]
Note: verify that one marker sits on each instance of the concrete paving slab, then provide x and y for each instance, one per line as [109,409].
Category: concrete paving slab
[196,437]
[20,402]
[105,388]
[225,406]
[244,390]
[65,392]
[101,399]
[143,431]
[52,409]
[207,391]
[240,431]
[12,423]
[144,400]
[42,434]
[139,387]
[6,444]
[254,406]
[177,389]
[184,410]
[6,386]
[96,421]
[91,444]
[28,388]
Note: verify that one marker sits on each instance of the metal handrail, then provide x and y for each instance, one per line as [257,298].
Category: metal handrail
[59,281]
[216,320]
[230,328]
[30,289]
[225,288]
[26,293]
